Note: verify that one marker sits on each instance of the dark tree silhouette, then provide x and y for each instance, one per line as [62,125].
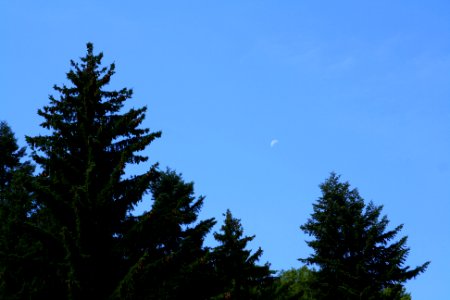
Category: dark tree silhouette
[18,250]
[83,194]
[238,274]
[166,245]
[356,255]
[94,247]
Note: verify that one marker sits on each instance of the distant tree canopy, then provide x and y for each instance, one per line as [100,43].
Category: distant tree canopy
[69,230]
[294,284]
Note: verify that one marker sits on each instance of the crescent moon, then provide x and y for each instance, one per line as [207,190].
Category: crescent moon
[273,143]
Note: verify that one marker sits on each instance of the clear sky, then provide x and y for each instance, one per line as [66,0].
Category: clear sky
[361,88]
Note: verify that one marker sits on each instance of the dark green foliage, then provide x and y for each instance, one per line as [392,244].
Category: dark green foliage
[165,246]
[295,284]
[83,195]
[12,169]
[356,254]
[17,247]
[395,293]
[69,232]
[238,274]
[92,246]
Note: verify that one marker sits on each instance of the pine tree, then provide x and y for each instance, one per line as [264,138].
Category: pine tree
[238,274]
[17,249]
[165,245]
[356,255]
[10,164]
[83,195]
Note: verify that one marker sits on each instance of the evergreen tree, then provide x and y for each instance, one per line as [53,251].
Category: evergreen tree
[11,165]
[84,198]
[356,254]
[165,245]
[17,249]
[239,276]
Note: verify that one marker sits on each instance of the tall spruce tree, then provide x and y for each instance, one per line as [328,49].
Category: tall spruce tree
[17,248]
[356,255]
[239,277]
[83,194]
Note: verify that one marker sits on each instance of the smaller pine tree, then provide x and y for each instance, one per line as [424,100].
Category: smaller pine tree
[356,255]
[164,247]
[17,246]
[236,268]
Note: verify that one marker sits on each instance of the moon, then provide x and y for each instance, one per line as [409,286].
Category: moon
[273,142]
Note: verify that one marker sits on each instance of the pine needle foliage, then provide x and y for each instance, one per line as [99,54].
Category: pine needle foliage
[357,256]
[83,194]
[19,252]
[238,274]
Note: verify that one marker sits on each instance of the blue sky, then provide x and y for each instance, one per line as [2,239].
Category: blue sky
[356,87]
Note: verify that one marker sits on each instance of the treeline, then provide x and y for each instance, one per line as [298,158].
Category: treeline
[68,230]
